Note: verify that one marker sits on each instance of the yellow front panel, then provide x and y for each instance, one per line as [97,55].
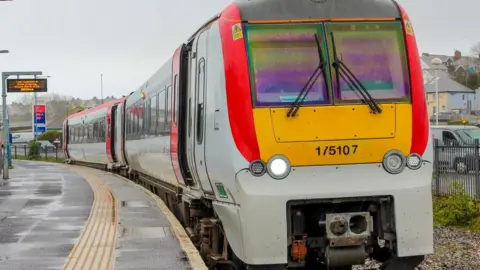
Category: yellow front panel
[336,150]
[333,123]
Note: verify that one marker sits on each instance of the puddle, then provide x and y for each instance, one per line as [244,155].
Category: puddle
[144,232]
[135,204]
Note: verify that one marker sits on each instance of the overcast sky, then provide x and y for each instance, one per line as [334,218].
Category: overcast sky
[74,41]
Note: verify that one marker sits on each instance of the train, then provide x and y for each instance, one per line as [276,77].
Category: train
[282,134]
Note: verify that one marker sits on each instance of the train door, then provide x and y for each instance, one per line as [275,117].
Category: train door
[175,125]
[111,134]
[107,132]
[118,134]
[196,113]
[65,140]
[190,111]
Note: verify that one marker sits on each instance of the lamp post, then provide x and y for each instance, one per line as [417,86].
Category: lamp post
[6,138]
[101,86]
[436,63]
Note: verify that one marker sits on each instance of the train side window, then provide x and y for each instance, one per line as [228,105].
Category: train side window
[140,119]
[200,95]
[134,121]
[130,122]
[146,117]
[132,126]
[168,108]
[82,133]
[95,131]
[90,132]
[101,130]
[153,114]
[175,103]
[161,113]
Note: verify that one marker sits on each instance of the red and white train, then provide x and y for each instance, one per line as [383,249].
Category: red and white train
[282,134]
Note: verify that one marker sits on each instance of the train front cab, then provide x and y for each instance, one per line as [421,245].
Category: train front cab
[338,174]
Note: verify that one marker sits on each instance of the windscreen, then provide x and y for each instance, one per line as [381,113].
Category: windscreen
[282,58]
[469,135]
[375,53]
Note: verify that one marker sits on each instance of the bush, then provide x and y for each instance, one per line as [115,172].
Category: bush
[33,150]
[50,135]
[456,209]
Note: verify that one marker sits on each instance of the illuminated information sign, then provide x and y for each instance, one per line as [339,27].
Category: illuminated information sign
[26,85]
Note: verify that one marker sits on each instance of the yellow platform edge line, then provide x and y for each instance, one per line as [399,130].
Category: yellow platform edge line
[104,211]
[86,232]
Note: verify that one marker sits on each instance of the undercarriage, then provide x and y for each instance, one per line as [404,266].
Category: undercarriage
[340,233]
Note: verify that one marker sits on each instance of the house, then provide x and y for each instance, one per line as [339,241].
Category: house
[458,65]
[452,96]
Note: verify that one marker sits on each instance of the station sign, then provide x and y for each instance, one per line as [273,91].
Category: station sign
[26,85]
[39,118]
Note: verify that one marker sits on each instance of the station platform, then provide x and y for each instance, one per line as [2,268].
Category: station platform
[56,216]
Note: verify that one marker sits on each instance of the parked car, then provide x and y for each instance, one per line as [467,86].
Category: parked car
[444,117]
[456,147]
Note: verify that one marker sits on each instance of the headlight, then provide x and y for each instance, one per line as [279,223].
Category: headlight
[394,162]
[414,161]
[257,168]
[278,167]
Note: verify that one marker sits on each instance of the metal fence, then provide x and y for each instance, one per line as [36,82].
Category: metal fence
[46,153]
[456,162]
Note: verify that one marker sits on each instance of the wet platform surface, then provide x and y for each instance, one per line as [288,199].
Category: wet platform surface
[48,221]
[43,209]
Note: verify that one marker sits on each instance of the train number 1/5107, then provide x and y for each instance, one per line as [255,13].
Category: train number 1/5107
[337,150]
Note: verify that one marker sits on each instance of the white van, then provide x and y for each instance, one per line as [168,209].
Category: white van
[22,138]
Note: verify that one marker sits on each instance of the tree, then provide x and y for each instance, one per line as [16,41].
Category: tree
[476,49]
[473,81]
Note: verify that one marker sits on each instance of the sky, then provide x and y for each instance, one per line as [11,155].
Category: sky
[74,41]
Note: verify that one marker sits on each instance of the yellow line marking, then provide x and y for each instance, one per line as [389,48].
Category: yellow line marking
[96,245]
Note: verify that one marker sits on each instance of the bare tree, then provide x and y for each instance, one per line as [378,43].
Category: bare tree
[476,50]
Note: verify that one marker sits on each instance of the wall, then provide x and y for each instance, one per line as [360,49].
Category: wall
[450,101]
[442,102]
[460,101]
[476,105]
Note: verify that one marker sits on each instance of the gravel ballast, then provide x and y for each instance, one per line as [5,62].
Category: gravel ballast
[454,249]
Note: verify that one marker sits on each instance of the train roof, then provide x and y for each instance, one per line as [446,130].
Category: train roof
[96,108]
[277,10]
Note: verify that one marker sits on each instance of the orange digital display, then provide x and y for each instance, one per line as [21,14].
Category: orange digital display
[26,85]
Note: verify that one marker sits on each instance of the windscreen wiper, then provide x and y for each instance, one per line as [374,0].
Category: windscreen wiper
[352,81]
[292,111]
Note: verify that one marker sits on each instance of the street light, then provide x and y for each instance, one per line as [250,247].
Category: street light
[436,63]
[4,51]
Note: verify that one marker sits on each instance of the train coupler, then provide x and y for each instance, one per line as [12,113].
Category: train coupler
[347,234]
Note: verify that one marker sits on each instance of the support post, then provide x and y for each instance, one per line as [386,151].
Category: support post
[6,129]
